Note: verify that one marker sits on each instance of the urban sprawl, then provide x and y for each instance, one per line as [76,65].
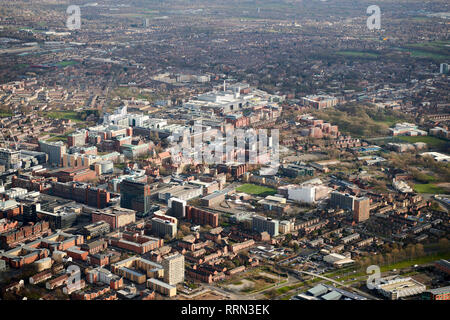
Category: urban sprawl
[207,150]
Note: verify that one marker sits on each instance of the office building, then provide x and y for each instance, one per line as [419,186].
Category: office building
[41,157]
[77,139]
[177,208]
[132,151]
[54,150]
[96,229]
[10,159]
[116,217]
[135,195]
[82,193]
[185,192]
[320,101]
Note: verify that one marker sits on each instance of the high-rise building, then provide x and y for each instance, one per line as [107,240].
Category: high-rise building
[177,208]
[135,195]
[342,200]
[362,209]
[173,269]
[163,228]
[261,224]
[55,151]
[78,138]
[10,158]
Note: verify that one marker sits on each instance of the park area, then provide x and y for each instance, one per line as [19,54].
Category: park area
[431,188]
[256,190]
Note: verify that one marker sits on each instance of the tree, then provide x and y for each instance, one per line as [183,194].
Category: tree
[411,252]
[395,255]
[229,265]
[389,258]
[271,294]
[444,244]
[420,251]
[380,259]
[180,235]
[185,229]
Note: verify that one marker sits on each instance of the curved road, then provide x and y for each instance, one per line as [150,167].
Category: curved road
[362,293]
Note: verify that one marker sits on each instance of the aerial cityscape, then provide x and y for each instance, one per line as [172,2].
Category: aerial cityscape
[190,150]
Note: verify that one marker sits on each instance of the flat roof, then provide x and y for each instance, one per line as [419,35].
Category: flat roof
[440,290]
[162,284]
[333,295]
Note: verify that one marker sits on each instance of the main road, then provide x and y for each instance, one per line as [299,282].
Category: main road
[362,293]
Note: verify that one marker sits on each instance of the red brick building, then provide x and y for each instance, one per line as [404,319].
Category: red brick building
[27,233]
[202,217]
[75,174]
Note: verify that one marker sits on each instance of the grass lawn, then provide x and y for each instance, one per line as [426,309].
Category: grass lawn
[256,190]
[429,188]
[66,63]
[358,54]
[57,138]
[285,289]
[5,114]
[69,115]
[419,261]
[427,178]
[425,54]
[431,141]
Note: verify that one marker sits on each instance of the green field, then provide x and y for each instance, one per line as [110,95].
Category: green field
[425,54]
[437,50]
[285,289]
[419,261]
[5,114]
[256,190]
[68,115]
[358,54]
[429,188]
[431,141]
[57,138]
[66,63]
